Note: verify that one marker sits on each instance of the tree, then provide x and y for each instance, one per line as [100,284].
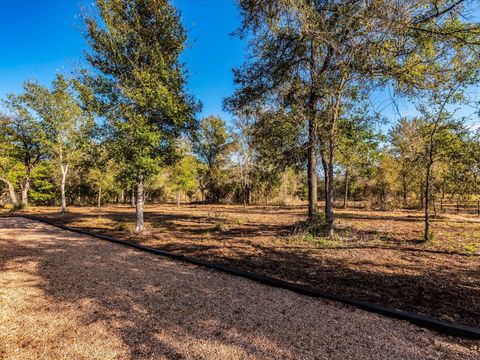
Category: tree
[384,178]
[357,148]
[63,123]
[278,144]
[102,177]
[314,56]
[244,155]
[213,145]
[184,176]
[441,135]
[8,167]
[138,85]
[405,140]
[24,134]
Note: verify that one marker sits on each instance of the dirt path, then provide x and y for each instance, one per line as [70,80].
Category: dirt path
[64,295]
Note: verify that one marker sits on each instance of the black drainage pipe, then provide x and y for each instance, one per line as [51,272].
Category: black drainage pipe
[441,326]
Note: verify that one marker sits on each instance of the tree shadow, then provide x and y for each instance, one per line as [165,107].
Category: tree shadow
[158,306]
[442,285]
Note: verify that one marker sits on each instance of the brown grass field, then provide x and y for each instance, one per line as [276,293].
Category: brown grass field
[375,256]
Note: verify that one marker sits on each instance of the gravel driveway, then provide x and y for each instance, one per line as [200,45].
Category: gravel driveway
[69,296]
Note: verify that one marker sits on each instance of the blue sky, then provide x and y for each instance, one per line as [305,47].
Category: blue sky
[41,37]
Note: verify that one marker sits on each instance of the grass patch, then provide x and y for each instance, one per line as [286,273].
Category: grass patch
[18,207]
[219,226]
[471,248]
[121,226]
[311,227]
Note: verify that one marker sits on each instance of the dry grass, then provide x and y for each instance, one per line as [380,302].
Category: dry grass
[67,296]
[376,256]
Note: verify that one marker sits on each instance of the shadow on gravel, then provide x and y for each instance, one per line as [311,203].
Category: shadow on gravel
[443,286]
[159,307]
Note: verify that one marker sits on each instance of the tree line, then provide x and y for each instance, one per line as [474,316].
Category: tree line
[304,127]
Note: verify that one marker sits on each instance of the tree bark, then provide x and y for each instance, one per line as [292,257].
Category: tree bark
[26,187]
[428,174]
[132,197]
[99,199]
[345,197]
[11,191]
[404,191]
[426,232]
[177,197]
[325,181]
[441,199]
[62,187]
[312,169]
[139,226]
[329,196]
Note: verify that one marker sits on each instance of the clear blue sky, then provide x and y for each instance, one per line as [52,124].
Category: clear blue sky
[41,37]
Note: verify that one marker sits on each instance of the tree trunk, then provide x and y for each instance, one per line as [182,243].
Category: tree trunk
[139,226]
[441,199]
[177,197]
[404,191]
[11,191]
[422,200]
[122,196]
[26,187]
[345,197]
[325,182]
[245,199]
[132,198]
[426,231]
[62,187]
[99,198]
[312,170]
[329,196]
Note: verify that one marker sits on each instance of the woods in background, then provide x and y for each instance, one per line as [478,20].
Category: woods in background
[125,130]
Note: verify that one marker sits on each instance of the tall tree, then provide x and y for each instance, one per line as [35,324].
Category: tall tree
[406,144]
[183,176]
[138,84]
[357,148]
[244,154]
[24,134]
[213,145]
[8,169]
[442,136]
[318,54]
[63,123]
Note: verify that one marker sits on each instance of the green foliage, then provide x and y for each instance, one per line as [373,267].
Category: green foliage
[18,207]
[44,190]
[139,83]
[184,174]
[63,120]
[213,145]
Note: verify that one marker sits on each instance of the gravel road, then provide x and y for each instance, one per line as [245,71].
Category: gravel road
[69,296]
